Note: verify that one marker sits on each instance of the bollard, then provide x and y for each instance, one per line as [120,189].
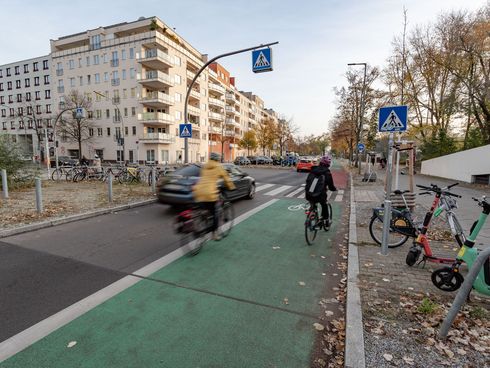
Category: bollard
[5,186]
[153,180]
[386,229]
[39,196]
[110,186]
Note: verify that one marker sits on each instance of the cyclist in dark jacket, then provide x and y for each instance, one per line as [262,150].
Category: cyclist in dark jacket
[323,169]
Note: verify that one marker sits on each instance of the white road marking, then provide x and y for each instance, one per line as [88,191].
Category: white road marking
[340,196]
[278,190]
[302,195]
[294,192]
[31,335]
[303,185]
[262,187]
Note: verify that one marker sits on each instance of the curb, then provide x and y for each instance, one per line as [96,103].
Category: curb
[354,331]
[72,218]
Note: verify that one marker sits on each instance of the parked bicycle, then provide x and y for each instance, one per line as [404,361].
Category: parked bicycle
[130,175]
[313,222]
[195,224]
[61,172]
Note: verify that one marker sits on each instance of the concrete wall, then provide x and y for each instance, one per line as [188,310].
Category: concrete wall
[461,165]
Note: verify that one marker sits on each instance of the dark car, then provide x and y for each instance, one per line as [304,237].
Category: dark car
[264,160]
[276,160]
[241,160]
[64,161]
[253,160]
[176,188]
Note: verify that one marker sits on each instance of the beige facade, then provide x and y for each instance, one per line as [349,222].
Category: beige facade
[135,76]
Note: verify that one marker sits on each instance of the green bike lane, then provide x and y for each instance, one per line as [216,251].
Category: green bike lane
[248,300]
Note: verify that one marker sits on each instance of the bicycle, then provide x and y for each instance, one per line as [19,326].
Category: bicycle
[403,226]
[313,223]
[61,171]
[195,224]
[131,175]
[158,173]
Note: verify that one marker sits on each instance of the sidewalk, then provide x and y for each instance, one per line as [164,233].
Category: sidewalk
[401,308]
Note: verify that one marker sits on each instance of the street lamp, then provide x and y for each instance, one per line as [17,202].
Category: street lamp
[359,128]
[122,122]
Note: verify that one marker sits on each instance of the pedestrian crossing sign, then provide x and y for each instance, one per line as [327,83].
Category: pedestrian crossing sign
[393,119]
[262,60]
[185,130]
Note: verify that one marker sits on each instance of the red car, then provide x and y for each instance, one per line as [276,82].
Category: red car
[305,164]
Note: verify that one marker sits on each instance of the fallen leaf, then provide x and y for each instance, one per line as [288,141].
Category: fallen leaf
[328,313]
[388,357]
[386,280]
[301,283]
[408,360]
[71,344]
[286,301]
[324,274]
[461,351]
[276,248]
[318,326]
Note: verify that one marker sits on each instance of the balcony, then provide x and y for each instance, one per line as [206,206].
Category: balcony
[216,88]
[229,133]
[216,102]
[115,81]
[115,62]
[231,97]
[214,129]
[156,59]
[193,110]
[157,100]
[59,72]
[215,116]
[195,94]
[156,118]
[156,79]
[156,138]
[230,121]
[191,75]
[231,109]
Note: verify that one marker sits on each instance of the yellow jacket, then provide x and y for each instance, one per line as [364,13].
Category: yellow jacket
[206,189]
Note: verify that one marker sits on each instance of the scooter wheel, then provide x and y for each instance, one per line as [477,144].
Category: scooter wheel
[412,256]
[447,279]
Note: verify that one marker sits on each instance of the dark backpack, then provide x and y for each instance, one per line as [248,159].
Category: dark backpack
[315,187]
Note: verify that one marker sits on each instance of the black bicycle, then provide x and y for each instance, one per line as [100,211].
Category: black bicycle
[195,224]
[313,222]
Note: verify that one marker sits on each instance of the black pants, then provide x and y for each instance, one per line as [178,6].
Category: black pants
[323,203]
[211,207]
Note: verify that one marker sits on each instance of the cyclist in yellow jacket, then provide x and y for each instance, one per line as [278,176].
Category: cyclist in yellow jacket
[206,191]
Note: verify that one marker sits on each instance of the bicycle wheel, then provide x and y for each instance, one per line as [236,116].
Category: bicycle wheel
[70,174]
[56,174]
[327,228]
[227,216]
[456,229]
[395,239]
[311,226]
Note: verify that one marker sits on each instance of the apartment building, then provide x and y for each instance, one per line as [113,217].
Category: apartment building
[134,77]
[26,105]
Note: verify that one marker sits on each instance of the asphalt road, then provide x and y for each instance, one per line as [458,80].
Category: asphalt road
[44,271]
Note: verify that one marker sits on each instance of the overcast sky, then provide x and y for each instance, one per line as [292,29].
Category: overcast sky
[317,38]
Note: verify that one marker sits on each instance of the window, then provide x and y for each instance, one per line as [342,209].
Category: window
[96,59]
[19,97]
[107,113]
[99,132]
[104,58]
[125,93]
[106,77]
[131,53]
[17,84]
[80,79]
[133,130]
[4,125]
[133,111]
[98,114]
[124,74]
[123,54]
[48,109]
[45,64]
[150,155]
[28,96]
[12,125]
[72,82]
[2,100]
[1,73]
[97,78]
[30,124]
[87,60]
[95,42]
[91,132]
[178,97]
[36,81]
[133,92]
[118,132]
[132,73]
[21,124]
[20,111]
[11,99]
[29,110]
[79,62]
[71,64]
[178,115]
[108,132]
[27,82]
[177,78]
[17,70]
[38,95]
[8,72]
[126,131]
[125,111]
[9,85]
[12,111]
[177,61]
[26,68]
[1,86]
[47,94]
[46,79]
[88,79]
[35,66]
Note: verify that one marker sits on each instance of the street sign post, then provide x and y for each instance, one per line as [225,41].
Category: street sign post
[361,147]
[393,119]
[185,130]
[262,60]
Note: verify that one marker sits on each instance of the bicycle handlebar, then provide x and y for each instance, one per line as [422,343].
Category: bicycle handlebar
[436,189]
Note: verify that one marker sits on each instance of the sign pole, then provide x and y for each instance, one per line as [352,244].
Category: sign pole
[387,202]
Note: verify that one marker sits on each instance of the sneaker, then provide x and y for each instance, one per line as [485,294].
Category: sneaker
[326,224]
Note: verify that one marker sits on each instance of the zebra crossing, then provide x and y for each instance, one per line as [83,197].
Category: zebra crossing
[290,191]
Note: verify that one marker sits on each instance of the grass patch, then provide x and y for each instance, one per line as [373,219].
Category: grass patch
[427,306]
[478,313]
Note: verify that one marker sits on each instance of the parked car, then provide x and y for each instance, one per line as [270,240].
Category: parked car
[176,188]
[242,160]
[264,160]
[305,164]
[64,161]
[253,160]
[276,160]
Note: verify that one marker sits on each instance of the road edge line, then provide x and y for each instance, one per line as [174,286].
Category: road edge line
[72,218]
[33,334]
[354,330]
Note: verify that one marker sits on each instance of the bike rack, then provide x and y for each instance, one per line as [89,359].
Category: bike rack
[463,292]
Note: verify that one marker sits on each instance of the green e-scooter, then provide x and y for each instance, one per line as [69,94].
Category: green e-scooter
[450,278]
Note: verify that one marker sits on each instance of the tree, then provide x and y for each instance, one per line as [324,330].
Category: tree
[265,134]
[77,129]
[249,142]
[283,131]
[10,155]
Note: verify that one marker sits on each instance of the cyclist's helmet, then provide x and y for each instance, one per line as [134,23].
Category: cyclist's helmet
[214,156]
[326,161]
